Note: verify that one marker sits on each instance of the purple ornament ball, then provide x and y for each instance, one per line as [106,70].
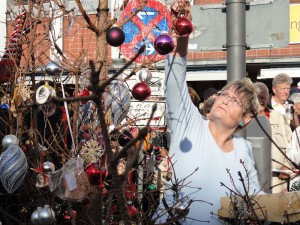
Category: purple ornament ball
[164,44]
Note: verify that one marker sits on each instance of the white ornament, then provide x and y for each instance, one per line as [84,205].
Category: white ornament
[43,93]
[144,75]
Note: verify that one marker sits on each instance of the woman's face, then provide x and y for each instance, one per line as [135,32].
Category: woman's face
[228,108]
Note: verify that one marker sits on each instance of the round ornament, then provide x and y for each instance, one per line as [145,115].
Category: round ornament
[44,93]
[144,75]
[8,140]
[183,26]
[35,216]
[13,168]
[115,36]
[4,106]
[141,91]
[164,44]
[48,167]
[53,69]
[152,187]
[94,173]
[46,215]
[132,210]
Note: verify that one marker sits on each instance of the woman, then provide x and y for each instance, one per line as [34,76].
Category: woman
[206,153]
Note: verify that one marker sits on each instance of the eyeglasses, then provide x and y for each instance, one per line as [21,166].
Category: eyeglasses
[234,100]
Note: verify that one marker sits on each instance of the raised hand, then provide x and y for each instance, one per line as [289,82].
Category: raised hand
[181,8]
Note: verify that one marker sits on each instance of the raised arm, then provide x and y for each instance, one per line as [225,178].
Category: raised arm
[179,105]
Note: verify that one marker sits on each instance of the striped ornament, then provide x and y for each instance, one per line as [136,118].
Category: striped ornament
[118,100]
[13,168]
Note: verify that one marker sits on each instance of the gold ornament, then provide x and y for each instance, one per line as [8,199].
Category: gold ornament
[91,151]
[24,91]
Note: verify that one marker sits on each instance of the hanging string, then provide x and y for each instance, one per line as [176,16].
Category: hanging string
[46,110]
[67,113]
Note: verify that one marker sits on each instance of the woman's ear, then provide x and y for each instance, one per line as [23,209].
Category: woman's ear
[247,119]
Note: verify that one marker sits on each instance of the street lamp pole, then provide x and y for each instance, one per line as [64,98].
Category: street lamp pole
[236,39]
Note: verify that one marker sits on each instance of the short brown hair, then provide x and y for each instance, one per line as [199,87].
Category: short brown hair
[250,92]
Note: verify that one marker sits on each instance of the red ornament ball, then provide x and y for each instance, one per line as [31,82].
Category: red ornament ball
[124,137]
[141,91]
[94,173]
[164,44]
[183,26]
[115,36]
[132,210]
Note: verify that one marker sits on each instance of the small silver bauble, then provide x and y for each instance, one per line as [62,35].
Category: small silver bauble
[43,93]
[48,167]
[54,69]
[9,140]
[144,75]
[46,215]
[35,216]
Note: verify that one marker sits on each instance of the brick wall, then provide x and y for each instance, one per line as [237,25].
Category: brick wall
[79,43]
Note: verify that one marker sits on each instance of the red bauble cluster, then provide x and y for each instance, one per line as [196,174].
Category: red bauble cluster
[164,44]
[183,26]
[115,36]
[141,91]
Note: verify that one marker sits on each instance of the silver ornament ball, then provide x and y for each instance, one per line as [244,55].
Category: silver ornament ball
[35,216]
[48,167]
[144,75]
[46,215]
[8,140]
[53,69]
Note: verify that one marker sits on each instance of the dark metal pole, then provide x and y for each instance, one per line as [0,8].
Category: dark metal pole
[236,39]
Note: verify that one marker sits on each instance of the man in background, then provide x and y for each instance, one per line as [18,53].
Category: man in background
[280,129]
